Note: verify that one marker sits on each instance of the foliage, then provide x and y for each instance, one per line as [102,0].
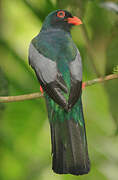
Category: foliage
[24,129]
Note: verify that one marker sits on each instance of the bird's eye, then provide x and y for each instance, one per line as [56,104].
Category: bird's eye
[61,14]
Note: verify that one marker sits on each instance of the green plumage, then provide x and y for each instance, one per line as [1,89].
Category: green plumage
[60,114]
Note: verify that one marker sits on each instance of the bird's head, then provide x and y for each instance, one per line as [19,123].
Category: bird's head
[60,19]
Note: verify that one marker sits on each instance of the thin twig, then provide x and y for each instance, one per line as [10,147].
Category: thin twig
[6,99]
[102,79]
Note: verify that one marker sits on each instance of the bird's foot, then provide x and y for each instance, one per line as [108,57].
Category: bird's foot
[83,85]
[41,89]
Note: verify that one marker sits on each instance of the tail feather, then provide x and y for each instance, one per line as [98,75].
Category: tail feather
[69,144]
[70,155]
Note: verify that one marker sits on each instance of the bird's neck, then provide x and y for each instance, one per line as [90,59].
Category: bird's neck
[56,29]
[55,37]
[55,34]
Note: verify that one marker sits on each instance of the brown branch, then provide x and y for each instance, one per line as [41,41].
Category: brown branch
[6,99]
[102,79]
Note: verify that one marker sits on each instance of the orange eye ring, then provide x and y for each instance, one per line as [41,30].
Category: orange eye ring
[61,14]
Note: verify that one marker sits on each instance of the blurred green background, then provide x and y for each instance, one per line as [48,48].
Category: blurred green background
[25,146]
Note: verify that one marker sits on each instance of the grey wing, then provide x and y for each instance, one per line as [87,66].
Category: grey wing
[76,80]
[48,75]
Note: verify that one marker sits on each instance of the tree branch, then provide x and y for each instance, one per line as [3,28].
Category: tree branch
[102,79]
[6,99]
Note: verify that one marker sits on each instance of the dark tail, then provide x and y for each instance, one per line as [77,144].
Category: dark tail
[69,145]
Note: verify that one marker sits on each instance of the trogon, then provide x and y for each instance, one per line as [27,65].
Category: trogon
[58,67]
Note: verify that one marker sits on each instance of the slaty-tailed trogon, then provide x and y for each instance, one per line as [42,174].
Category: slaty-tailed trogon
[58,67]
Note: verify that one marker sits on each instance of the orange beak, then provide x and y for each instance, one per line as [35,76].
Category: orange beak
[74,20]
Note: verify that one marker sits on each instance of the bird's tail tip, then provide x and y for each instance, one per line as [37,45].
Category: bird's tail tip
[73,171]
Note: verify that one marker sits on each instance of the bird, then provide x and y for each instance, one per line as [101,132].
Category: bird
[57,64]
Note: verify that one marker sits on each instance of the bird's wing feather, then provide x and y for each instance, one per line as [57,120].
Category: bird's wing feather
[48,75]
[76,80]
